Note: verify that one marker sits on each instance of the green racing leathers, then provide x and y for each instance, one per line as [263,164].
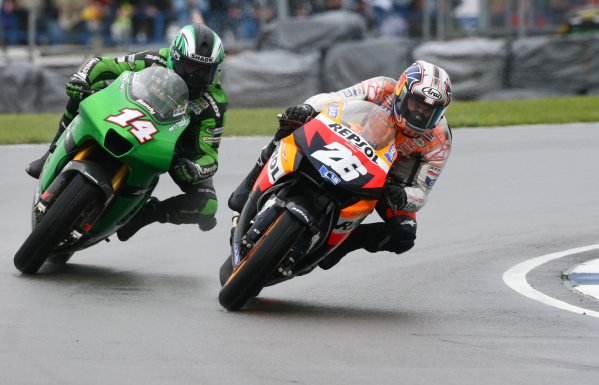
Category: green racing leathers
[196,153]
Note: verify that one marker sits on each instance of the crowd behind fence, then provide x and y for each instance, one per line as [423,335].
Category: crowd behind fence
[115,22]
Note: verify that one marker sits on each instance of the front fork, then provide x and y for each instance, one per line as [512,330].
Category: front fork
[92,171]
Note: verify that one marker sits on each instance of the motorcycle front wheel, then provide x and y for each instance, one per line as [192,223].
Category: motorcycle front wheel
[60,218]
[268,252]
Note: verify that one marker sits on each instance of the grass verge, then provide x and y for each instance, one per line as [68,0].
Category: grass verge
[40,128]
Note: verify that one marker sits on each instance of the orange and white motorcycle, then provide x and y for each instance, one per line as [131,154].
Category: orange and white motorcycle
[318,186]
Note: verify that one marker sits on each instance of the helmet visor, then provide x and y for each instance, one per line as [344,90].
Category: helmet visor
[419,116]
[197,75]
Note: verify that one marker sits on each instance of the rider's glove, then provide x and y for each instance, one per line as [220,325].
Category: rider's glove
[396,196]
[78,89]
[296,116]
[191,172]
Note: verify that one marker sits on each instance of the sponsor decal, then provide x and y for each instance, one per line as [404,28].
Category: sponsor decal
[215,130]
[430,181]
[391,153]
[300,212]
[212,103]
[131,61]
[344,226]
[356,140]
[202,59]
[84,70]
[419,142]
[146,105]
[438,154]
[207,170]
[432,93]
[389,100]
[180,111]
[210,139]
[434,171]
[386,110]
[184,122]
[333,111]
[195,108]
[158,59]
[330,175]
[352,91]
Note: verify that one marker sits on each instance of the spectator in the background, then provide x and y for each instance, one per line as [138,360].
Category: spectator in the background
[216,15]
[189,11]
[14,21]
[121,29]
[300,8]
[149,20]
[48,24]
[92,15]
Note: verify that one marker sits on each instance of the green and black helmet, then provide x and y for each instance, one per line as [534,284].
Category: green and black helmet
[195,55]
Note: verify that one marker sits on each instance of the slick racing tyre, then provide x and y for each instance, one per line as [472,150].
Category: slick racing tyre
[266,255]
[58,221]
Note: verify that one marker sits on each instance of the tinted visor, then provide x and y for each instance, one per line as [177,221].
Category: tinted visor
[418,115]
[197,75]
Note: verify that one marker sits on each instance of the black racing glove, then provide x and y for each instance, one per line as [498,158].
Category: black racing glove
[191,172]
[296,116]
[396,196]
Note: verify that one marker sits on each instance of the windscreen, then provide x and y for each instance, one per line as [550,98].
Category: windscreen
[370,121]
[161,91]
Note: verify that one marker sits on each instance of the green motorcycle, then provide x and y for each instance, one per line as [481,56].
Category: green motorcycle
[105,165]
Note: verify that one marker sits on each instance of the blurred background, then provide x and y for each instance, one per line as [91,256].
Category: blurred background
[282,51]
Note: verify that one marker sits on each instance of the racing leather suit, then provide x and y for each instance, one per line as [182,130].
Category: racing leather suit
[418,165]
[199,143]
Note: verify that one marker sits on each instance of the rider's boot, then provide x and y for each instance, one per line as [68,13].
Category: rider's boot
[198,207]
[35,168]
[148,214]
[240,195]
[371,237]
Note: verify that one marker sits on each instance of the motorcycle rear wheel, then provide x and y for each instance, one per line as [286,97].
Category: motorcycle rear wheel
[79,194]
[251,275]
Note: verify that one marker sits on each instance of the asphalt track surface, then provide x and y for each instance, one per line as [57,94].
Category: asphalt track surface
[146,311]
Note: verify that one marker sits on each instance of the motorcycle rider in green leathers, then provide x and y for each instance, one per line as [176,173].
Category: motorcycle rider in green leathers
[195,54]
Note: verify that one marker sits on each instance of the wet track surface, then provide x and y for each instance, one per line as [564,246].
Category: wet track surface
[146,311]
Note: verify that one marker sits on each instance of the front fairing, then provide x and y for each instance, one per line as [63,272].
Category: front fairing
[351,145]
[125,128]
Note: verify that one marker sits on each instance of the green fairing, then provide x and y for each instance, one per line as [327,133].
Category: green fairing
[146,161]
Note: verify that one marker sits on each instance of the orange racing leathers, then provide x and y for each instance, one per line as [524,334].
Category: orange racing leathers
[419,161]
[418,164]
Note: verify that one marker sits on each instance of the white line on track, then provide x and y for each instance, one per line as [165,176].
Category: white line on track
[515,278]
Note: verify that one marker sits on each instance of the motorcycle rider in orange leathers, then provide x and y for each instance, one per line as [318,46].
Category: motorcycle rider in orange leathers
[416,104]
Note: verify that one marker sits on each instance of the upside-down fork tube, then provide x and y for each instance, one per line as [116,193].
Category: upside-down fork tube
[84,153]
[119,178]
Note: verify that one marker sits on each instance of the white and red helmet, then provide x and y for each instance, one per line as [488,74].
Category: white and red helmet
[422,95]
